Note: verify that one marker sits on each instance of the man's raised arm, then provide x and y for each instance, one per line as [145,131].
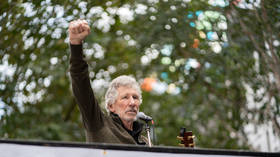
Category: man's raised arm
[89,108]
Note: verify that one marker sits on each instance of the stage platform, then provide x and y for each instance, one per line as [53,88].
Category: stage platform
[20,148]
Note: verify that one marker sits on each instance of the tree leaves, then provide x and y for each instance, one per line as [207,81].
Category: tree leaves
[157,41]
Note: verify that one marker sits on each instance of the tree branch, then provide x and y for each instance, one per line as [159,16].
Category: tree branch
[276,62]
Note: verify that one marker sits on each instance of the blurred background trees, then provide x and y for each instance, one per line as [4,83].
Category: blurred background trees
[210,66]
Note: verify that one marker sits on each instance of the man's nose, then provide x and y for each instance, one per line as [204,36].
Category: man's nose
[131,101]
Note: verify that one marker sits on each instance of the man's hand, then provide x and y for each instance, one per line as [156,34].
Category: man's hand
[78,31]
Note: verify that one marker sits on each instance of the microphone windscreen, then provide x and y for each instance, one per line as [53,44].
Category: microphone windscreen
[142,116]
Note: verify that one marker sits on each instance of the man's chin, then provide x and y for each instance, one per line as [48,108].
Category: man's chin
[130,118]
[131,113]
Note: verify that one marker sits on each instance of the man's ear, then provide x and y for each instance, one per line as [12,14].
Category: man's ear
[111,108]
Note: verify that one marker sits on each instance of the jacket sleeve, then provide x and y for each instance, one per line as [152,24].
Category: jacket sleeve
[91,113]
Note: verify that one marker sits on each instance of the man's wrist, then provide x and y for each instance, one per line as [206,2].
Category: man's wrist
[76,42]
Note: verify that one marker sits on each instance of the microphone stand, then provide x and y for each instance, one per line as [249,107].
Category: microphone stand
[147,128]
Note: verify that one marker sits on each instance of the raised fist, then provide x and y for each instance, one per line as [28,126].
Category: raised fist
[78,31]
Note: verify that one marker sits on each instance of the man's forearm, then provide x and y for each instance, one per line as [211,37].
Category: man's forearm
[82,89]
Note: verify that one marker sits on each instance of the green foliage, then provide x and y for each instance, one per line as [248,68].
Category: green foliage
[36,100]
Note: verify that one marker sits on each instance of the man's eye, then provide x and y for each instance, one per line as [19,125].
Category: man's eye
[135,97]
[125,97]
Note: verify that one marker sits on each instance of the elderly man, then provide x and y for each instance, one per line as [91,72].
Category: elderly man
[123,98]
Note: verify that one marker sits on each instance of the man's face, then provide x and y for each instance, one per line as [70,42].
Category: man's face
[126,104]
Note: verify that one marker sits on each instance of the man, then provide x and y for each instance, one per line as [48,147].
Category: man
[122,98]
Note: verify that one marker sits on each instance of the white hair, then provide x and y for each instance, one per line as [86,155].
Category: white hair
[112,92]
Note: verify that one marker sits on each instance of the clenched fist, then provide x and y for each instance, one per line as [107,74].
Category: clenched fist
[78,31]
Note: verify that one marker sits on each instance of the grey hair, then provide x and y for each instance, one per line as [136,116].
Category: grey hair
[112,92]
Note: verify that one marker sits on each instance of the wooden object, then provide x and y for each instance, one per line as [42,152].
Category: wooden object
[186,138]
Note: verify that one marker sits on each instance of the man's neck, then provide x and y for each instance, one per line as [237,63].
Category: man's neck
[128,124]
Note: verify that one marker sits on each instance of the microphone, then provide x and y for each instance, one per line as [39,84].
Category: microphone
[142,116]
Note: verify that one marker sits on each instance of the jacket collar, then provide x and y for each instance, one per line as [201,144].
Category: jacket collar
[137,126]
[136,130]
